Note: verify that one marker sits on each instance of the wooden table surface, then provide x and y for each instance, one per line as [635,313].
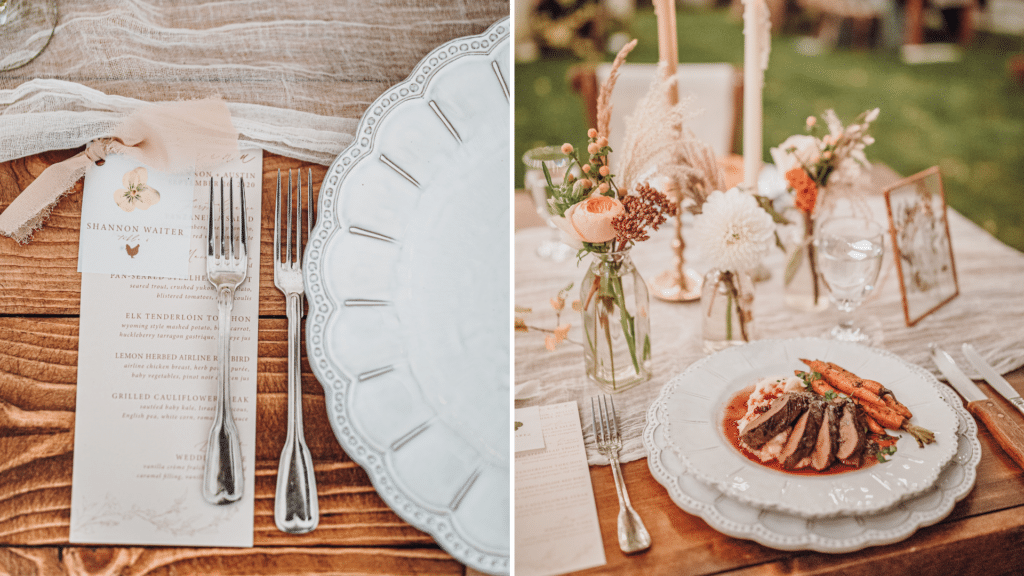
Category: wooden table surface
[39,313]
[983,536]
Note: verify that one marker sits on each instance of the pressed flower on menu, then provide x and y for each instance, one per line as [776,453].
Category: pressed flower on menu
[136,192]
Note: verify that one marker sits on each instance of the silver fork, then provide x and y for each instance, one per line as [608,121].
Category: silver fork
[296,509]
[226,267]
[633,536]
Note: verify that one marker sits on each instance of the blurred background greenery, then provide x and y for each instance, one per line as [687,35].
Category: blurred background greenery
[965,116]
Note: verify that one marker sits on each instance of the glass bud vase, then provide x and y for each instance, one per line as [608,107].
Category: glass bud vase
[616,323]
[727,309]
[803,289]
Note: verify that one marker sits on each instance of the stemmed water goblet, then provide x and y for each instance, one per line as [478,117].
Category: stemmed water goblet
[536,159]
[849,256]
[26,27]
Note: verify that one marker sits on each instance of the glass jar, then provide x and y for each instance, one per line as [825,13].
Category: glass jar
[801,284]
[616,323]
[727,309]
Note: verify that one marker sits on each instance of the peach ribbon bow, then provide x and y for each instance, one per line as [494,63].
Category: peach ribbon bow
[170,137]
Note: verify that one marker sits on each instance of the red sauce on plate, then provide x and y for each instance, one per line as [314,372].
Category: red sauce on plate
[737,408]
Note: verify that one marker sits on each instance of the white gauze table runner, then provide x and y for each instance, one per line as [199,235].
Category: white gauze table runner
[987,313]
[297,75]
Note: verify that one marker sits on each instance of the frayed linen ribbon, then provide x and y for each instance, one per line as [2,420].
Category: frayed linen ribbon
[169,137]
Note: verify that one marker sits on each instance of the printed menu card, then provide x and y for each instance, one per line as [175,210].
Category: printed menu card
[557,530]
[147,388]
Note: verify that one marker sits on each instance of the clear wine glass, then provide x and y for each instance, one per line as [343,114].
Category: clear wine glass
[26,27]
[557,162]
[849,256]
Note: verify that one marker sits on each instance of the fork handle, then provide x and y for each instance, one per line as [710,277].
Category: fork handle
[296,508]
[633,536]
[222,482]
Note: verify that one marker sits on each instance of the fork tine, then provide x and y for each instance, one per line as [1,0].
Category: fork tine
[603,418]
[612,420]
[245,243]
[597,424]
[309,203]
[209,229]
[602,408]
[221,254]
[298,219]
[231,218]
[277,222]
[288,237]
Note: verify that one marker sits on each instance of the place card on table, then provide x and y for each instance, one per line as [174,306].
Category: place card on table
[557,529]
[135,220]
[147,387]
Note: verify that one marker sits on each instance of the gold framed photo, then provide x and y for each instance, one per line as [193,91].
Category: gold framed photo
[922,247]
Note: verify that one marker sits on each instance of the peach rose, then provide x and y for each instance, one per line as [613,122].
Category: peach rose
[591,220]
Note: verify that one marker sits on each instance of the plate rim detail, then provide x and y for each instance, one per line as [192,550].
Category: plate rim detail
[334,379]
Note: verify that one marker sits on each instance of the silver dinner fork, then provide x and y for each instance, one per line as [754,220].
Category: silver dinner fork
[296,509]
[226,267]
[633,536]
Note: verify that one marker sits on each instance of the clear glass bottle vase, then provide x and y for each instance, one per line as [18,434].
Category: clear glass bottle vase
[727,309]
[801,285]
[616,323]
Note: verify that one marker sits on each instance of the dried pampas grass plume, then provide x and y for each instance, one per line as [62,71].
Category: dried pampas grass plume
[656,137]
[604,98]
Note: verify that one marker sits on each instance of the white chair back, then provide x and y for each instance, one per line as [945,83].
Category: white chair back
[711,87]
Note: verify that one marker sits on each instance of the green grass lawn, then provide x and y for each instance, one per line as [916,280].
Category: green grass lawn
[966,117]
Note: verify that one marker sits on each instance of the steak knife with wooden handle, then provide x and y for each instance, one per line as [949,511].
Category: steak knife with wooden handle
[1006,432]
[995,379]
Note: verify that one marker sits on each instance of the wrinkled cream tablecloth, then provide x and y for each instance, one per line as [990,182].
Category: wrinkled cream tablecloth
[988,312]
[297,74]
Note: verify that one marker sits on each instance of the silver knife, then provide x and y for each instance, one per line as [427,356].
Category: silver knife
[1007,433]
[993,378]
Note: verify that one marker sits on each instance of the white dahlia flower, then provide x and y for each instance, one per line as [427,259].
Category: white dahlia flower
[733,231]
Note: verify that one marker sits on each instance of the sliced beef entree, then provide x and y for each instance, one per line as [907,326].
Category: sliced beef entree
[828,439]
[852,435]
[804,436]
[783,411]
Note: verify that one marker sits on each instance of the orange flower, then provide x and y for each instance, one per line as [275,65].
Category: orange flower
[561,332]
[558,303]
[806,189]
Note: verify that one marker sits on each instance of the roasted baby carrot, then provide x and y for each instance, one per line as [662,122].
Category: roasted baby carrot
[847,385]
[876,387]
[895,421]
[874,426]
[867,390]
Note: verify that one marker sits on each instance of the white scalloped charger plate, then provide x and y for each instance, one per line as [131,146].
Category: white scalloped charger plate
[407,274]
[833,535]
[693,406]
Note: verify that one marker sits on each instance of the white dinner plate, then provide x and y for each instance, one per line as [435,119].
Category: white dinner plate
[693,408]
[407,275]
[833,535]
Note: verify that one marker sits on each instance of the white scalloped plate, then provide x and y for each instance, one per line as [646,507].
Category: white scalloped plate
[832,535]
[693,406]
[407,275]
